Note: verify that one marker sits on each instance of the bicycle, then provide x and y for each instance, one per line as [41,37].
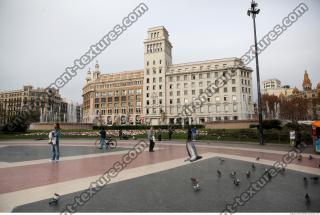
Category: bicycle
[110,143]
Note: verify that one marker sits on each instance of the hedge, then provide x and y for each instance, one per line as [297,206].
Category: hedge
[144,127]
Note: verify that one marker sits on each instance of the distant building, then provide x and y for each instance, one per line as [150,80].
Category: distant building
[273,87]
[312,107]
[271,84]
[49,108]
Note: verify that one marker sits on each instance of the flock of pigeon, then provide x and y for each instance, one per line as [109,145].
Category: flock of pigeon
[236,181]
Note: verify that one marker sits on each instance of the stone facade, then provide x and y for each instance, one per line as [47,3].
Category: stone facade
[50,108]
[167,87]
[112,98]
[155,95]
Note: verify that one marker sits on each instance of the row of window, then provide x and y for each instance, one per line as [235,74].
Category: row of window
[154,35]
[118,93]
[193,92]
[193,84]
[245,82]
[203,109]
[154,87]
[202,119]
[116,99]
[154,62]
[117,111]
[154,71]
[153,95]
[121,84]
[208,67]
[196,76]
[156,47]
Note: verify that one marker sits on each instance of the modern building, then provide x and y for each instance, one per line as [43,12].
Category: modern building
[274,87]
[48,108]
[157,93]
[113,98]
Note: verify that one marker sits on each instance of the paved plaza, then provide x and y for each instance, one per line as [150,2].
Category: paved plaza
[154,182]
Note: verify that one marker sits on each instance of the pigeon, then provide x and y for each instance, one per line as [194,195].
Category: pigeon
[258,158]
[54,200]
[253,166]
[233,174]
[236,181]
[221,160]
[282,170]
[219,173]
[307,197]
[299,157]
[310,157]
[248,173]
[195,184]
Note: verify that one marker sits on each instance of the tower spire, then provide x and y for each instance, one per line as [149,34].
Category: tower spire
[307,85]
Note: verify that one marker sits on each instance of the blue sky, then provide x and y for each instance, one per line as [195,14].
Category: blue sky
[40,38]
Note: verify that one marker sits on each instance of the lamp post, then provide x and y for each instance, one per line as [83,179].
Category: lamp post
[254,11]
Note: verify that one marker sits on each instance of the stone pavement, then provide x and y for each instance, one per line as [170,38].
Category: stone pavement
[28,179]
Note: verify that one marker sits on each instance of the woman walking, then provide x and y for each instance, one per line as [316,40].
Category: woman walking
[55,143]
[151,139]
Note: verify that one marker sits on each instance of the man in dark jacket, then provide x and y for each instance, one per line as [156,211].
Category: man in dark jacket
[103,136]
[298,137]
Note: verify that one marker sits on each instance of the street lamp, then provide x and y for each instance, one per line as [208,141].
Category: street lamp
[254,11]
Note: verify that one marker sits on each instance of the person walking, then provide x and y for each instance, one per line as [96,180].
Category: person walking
[292,135]
[189,133]
[120,133]
[159,134]
[170,132]
[151,139]
[103,136]
[55,143]
[298,137]
[194,133]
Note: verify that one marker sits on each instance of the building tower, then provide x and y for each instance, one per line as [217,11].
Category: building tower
[307,85]
[96,72]
[157,58]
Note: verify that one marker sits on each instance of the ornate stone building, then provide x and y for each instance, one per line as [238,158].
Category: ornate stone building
[156,94]
[113,98]
[49,108]
[312,96]
[167,86]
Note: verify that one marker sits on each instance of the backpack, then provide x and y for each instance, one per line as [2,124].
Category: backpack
[52,139]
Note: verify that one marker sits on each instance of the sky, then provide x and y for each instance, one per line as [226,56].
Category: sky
[40,38]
